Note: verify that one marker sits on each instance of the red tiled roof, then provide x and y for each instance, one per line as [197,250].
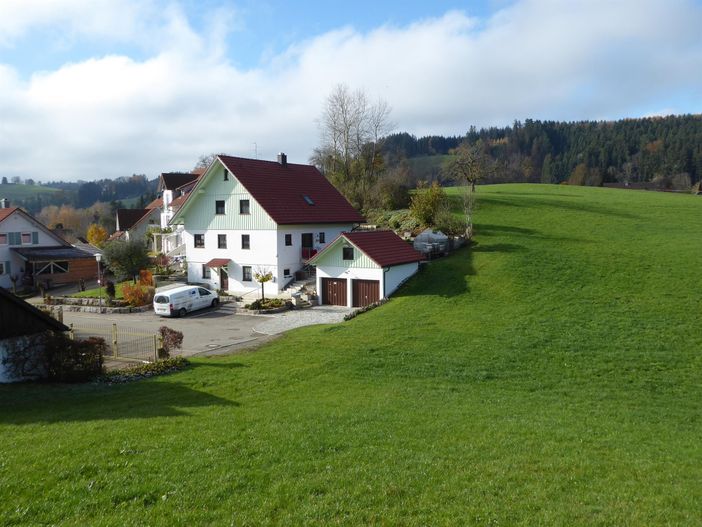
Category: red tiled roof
[292,193]
[218,262]
[4,213]
[383,247]
[155,204]
[176,203]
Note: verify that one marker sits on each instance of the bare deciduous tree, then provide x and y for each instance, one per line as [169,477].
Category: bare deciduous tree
[351,138]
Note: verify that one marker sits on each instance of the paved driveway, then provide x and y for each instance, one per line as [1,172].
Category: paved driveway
[214,331]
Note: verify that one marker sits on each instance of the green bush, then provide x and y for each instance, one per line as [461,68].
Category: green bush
[268,303]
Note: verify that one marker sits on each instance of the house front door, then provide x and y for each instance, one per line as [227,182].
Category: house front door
[223,279]
[307,245]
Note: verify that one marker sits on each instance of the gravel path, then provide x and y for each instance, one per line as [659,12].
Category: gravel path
[279,323]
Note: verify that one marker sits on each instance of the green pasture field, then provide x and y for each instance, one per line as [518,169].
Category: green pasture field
[549,375]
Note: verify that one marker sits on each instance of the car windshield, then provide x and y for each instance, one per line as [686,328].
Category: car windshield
[161,299]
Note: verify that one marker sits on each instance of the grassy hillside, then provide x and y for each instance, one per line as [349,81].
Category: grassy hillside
[549,376]
[15,192]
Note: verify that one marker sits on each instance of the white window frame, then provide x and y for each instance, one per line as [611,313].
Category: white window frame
[7,238]
[22,235]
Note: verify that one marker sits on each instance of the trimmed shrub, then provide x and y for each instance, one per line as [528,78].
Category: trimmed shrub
[268,303]
[171,340]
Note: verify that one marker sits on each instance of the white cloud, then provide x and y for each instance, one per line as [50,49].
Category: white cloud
[115,115]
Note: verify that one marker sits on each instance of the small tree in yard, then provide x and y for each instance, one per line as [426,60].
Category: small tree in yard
[126,259]
[426,204]
[262,276]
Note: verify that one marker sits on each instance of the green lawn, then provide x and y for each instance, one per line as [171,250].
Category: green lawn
[549,376]
[100,291]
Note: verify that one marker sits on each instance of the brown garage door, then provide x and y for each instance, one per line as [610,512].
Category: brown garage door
[334,291]
[365,292]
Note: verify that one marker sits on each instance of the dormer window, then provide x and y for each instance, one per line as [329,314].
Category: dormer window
[308,200]
[226,175]
[347,253]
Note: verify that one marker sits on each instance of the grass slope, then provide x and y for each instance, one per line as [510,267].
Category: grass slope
[13,191]
[549,376]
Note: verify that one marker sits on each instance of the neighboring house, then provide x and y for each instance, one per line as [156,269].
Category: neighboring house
[245,216]
[173,188]
[33,254]
[133,224]
[362,267]
[20,322]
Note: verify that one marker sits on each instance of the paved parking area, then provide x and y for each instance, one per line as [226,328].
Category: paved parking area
[215,331]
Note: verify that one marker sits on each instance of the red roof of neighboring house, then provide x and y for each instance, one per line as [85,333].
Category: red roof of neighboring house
[383,247]
[4,213]
[176,203]
[115,236]
[292,193]
[155,204]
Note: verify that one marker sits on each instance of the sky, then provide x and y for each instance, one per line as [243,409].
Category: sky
[93,89]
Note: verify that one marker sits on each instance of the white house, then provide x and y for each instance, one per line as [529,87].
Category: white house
[173,188]
[32,254]
[248,216]
[360,268]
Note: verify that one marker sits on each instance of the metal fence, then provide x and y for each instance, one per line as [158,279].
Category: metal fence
[123,343]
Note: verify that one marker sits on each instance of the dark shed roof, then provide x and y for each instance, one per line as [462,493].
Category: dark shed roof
[21,318]
[46,254]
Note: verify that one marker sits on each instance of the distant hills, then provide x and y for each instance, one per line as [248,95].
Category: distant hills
[663,149]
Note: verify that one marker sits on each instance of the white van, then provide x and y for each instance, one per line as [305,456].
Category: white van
[178,301]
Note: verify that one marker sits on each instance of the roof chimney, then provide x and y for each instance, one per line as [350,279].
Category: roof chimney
[282,159]
[4,203]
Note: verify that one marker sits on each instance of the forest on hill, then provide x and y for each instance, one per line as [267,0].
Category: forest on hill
[667,150]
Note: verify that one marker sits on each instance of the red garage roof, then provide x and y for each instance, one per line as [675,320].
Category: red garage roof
[292,193]
[383,247]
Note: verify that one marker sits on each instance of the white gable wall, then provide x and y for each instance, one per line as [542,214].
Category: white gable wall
[18,222]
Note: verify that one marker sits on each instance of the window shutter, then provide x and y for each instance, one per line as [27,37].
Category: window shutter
[7,267]
[13,238]
[35,238]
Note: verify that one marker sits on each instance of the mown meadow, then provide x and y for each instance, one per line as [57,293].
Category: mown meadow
[549,375]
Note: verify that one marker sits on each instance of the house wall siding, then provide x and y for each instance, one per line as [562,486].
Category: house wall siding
[335,258]
[17,222]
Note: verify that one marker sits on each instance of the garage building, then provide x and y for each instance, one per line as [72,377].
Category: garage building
[362,267]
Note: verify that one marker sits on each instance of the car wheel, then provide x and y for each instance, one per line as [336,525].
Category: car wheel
[215,303]
[182,312]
